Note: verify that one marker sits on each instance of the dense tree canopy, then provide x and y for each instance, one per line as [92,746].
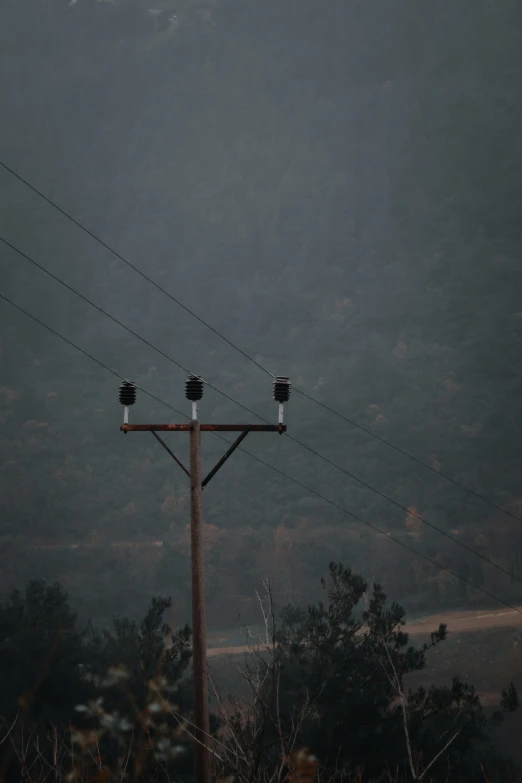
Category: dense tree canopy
[49,668]
[340,676]
[345,669]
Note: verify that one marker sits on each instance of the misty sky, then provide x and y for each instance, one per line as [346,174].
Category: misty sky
[332,186]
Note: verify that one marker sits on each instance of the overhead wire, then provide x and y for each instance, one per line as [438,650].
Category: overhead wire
[330,462]
[219,334]
[370,525]
[97,307]
[129,264]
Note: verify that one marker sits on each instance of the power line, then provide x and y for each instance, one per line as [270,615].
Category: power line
[129,264]
[85,353]
[407,510]
[123,326]
[384,533]
[271,467]
[248,357]
[97,307]
[291,437]
[410,456]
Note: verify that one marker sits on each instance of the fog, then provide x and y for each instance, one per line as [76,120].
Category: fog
[334,188]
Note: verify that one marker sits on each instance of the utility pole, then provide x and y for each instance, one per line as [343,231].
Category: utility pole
[194,393]
[199,646]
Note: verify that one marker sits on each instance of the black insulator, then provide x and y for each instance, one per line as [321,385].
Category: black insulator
[194,388]
[282,389]
[127,393]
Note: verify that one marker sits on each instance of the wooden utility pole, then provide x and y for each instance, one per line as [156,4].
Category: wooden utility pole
[199,626]
[194,392]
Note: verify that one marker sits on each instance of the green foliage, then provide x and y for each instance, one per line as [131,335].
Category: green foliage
[41,655]
[48,667]
[147,650]
[119,699]
[344,669]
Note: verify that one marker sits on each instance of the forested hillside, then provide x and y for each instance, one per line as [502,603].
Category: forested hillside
[335,187]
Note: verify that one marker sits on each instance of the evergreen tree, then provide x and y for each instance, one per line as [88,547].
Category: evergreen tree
[350,667]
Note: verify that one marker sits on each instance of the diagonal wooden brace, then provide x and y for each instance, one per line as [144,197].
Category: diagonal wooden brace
[225,457]
[171,453]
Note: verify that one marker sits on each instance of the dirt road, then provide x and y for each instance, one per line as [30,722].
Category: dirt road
[457,622]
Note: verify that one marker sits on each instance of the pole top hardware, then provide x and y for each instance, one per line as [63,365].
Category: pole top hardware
[127,393]
[282,389]
[194,388]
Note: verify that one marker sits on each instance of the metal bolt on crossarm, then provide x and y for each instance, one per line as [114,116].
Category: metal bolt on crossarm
[194,392]
[127,398]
